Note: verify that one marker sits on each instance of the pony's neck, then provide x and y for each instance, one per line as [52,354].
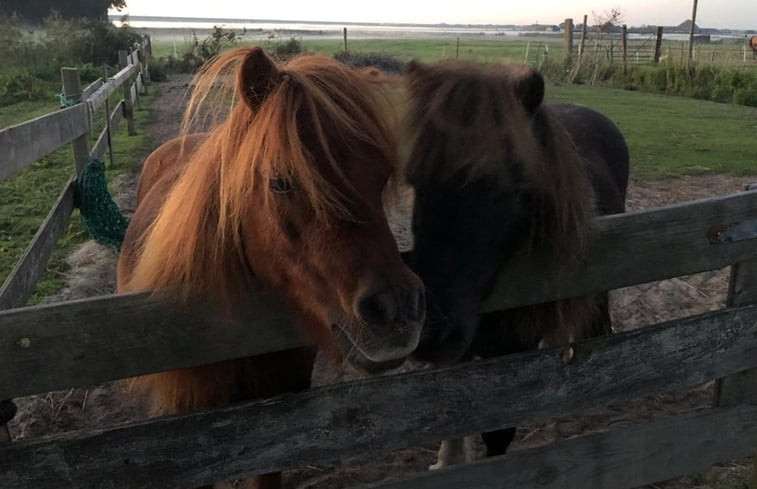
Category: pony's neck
[185,250]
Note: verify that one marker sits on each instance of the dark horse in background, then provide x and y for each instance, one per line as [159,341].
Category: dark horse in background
[497,174]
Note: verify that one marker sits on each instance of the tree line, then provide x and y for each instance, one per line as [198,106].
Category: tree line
[35,11]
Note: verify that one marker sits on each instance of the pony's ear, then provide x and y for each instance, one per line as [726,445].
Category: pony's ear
[530,90]
[258,75]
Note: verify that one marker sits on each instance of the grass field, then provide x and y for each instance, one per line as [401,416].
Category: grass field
[673,136]
[531,49]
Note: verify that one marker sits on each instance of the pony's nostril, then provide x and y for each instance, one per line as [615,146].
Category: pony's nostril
[380,308]
[417,310]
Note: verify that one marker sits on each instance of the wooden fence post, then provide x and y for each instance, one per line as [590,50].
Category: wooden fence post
[147,50]
[133,60]
[345,39]
[624,43]
[740,388]
[123,62]
[658,45]
[72,93]
[568,39]
[457,49]
[7,413]
[584,31]
[691,31]
[141,59]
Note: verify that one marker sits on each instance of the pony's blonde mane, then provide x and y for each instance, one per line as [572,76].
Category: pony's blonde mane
[462,118]
[195,243]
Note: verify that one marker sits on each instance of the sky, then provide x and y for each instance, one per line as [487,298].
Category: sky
[737,14]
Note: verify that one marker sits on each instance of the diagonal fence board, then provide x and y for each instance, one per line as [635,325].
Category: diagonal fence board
[91,88]
[95,341]
[632,248]
[385,413]
[109,87]
[21,282]
[25,143]
[619,459]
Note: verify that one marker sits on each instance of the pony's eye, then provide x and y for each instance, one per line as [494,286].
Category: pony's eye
[280,185]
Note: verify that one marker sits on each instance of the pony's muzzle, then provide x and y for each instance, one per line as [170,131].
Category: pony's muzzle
[392,319]
[391,307]
[388,307]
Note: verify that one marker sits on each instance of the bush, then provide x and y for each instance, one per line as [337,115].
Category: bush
[158,70]
[383,61]
[200,52]
[285,49]
[32,60]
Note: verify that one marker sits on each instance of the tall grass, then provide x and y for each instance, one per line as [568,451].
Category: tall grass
[701,81]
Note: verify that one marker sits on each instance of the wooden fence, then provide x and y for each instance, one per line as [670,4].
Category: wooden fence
[25,143]
[618,47]
[85,342]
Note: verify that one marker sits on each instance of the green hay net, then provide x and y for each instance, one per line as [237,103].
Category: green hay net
[100,216]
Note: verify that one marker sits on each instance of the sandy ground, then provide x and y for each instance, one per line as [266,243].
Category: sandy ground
[92,273]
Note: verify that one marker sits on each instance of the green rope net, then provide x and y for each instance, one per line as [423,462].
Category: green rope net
[100,216]
[68,102]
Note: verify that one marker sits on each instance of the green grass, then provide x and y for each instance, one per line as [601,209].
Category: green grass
[432,50]
[26,198]
[673,136]
[23,111]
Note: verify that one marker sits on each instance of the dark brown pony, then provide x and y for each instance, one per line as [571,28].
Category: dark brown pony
[497,175]
[286,190]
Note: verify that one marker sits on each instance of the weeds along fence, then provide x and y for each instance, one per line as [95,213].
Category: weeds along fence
[85,342]
[25,143]
[618,47]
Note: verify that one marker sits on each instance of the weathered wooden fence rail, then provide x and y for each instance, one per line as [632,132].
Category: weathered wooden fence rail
[25,143]
[385,413]
[114,337]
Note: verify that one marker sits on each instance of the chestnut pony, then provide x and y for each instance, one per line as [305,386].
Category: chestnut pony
[287,189]
[497,175]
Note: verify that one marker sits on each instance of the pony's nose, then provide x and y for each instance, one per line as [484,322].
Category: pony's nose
[378,308]
[417,305]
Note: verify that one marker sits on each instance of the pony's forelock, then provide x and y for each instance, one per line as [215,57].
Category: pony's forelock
[464,119]
[195,243]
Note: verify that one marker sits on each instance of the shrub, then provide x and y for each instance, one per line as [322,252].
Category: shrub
[32,60]
[383,61]
[201,51]
[286,49]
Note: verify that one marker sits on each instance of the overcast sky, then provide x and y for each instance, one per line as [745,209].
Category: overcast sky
[739,14]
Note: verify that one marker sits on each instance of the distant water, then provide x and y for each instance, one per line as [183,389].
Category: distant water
[327,30]
[333,29]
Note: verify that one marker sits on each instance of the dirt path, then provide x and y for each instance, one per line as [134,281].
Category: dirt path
[93,273]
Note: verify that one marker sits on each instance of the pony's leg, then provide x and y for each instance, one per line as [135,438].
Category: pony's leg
[267,481]
[454,451]
[497,442]
[287,371]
